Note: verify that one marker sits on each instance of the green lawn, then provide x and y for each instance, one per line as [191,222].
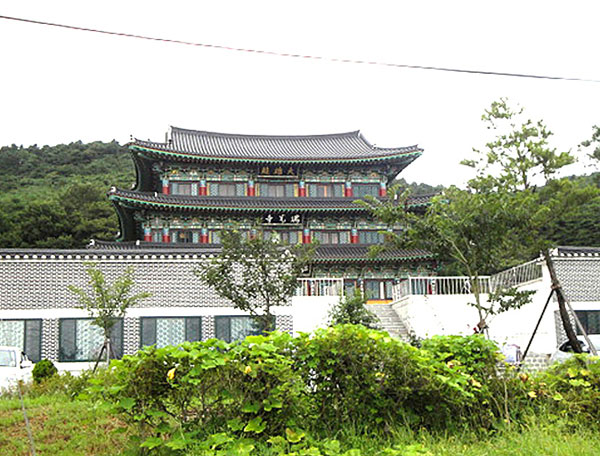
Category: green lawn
[65,427]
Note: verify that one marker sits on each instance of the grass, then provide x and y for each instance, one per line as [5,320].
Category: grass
[60,427]
[75,427]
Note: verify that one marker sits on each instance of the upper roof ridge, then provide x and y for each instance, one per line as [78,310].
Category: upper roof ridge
[349,134]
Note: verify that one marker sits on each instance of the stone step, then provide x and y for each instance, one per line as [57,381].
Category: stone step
[389,320]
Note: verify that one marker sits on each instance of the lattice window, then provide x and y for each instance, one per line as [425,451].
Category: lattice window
[170,330]
[25,334]
[80,340]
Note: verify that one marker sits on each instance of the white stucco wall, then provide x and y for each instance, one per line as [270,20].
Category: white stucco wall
[430,315]
[311,312]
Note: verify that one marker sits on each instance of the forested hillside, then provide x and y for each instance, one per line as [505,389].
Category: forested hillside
[55,197]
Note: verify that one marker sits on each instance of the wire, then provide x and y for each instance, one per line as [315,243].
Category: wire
[301,56]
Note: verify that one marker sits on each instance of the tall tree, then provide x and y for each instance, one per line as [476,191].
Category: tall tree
[255,273]
[499,219]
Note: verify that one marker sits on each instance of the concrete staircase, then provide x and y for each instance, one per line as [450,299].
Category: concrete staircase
[389,320]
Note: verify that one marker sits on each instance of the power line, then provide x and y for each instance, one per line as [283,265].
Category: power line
[301,56]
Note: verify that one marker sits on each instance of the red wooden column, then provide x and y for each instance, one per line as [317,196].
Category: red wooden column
[348,189]
[165,186]
[166,237]
[306,236]
[382,189]
[204,235]
[354,236]
[301,188]
[147,234]
[251,188]
[202,187]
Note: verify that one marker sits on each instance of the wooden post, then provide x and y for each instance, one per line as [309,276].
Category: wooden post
[562,308]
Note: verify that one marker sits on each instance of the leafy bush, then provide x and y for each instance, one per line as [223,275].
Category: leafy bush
[43,370]
[268,386]
[351,310]
[360,376]
[570,389]
[249,388]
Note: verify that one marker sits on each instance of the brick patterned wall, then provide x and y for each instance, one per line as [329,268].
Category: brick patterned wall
[131,335]
[41,283]
[579,278]
[208,327]
[284,323]
[50,339]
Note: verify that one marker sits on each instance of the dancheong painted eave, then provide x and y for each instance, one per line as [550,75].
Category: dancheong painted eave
[195,145]
[135,199]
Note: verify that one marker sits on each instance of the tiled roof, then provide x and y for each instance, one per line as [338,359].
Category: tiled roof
[568,251]
[248,204]
[342,147]
[323,254]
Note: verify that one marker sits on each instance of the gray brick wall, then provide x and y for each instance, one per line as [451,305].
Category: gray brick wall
[41,283]
[579,278]
[50,339]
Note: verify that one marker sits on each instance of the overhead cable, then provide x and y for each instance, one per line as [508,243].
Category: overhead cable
[302,56]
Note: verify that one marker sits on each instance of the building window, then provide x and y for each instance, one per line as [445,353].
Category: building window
[182,236]
[181,188]
[378,289]
[370,237]
[231,329]
[276,190]
[214,237]
[325,190]
[361,190]
[80,340]
[332,237]
[25,334]
[226,189]
[590,320]
[289,237]
[165,331]
[157,235]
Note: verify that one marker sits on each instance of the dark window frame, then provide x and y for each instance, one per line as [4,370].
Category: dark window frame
[185,318]
[25,344]
[218,318]
[61,357]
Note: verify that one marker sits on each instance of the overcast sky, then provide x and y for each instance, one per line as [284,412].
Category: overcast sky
[59,86]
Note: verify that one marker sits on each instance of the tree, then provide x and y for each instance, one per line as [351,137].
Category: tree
[255,273]
[498,220]
[351,310]
[106,303]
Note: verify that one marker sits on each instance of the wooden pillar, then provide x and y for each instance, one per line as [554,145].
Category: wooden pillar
[147,234]
[301,188]
[348,189]
[382,190]
[204,235]
[166,237]
[306,236]
[354,236]
[165,186]
[251,189]
[202,187]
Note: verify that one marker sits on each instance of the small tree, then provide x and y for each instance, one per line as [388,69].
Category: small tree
[351,310]
[255,273]
[106,303]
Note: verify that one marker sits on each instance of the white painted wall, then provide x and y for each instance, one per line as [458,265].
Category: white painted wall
[431,315]
[311,312]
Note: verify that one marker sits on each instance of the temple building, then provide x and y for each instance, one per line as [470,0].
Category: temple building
[300,188]
[189,189]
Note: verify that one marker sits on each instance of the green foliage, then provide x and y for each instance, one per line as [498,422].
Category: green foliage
[593,143]
[255,273]
[351,310]
[104,302]
[43,369]
[571,389]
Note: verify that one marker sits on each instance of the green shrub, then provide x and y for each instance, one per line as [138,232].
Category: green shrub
[351,310]
[359,376]
[43,370]
[570,389]
[248,388]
